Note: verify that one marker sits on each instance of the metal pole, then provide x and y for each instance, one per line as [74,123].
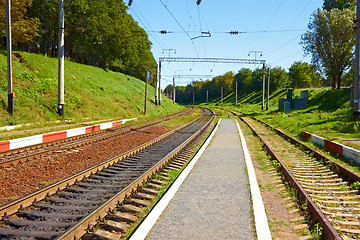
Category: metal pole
[61,53]
[263,93]
[11,93]
[147,78]
[236,94]
[356,114]
[222,92]
[157,83]
[268,90]
[174,90]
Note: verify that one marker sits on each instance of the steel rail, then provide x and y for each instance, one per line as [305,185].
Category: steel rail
[75,141]
[313,209]
[29,199]
[336,167]
[78,230]
[329,230]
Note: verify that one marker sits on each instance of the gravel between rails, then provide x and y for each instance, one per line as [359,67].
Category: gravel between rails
[27,177]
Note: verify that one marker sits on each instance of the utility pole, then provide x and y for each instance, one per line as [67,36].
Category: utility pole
[160,88]
[61,53]
[268,90]
[222,94]
[147,79]
[174,90]
[207,95]
[263,93]
[236,94]
[193,98]
[157,83]
[356,114]
[11,93]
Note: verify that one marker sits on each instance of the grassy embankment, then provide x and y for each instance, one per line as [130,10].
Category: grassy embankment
[328,114]
[90,93]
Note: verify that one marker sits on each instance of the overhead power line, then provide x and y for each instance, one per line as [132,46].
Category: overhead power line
[187,34]
[213,60]
[235,32]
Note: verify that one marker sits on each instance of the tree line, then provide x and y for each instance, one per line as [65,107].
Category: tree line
[97,32]
[301,74]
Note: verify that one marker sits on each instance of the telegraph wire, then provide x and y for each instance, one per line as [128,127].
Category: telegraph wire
[272,19]
[187,34]
[292,23]
[175,19]
[191,19]
[162,44]
[288,42]
[282,59]
[236,32]
[296,18]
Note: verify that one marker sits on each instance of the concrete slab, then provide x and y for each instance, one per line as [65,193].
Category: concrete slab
[214,201]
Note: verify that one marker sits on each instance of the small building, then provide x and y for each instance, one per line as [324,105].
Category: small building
[294,103]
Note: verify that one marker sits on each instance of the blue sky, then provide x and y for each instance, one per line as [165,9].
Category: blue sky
[186,20]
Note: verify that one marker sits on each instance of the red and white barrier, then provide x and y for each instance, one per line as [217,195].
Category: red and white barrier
[346,151]
[47,137]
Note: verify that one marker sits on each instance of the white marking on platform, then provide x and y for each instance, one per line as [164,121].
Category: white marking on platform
[261,223]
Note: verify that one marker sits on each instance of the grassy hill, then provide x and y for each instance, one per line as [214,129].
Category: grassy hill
[328,114]
[90,93]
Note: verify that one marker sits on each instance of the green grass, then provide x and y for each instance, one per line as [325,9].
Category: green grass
[328,114]
[90,93]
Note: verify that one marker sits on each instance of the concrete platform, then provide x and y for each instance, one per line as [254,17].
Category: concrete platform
[214,201]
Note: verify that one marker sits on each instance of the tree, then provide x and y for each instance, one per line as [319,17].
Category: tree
[224,81]
[24,29]
[330,41]
[304,75]
[97,32]
[339,4]
[244,78]
[279,78]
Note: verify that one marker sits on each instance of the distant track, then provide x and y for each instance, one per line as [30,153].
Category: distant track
[54,147]
[66,210]
[321,183]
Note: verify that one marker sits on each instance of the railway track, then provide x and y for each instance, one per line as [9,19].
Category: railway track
[32,152]
[68,209]
[323,186]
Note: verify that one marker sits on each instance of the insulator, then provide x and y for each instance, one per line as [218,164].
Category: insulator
[198,2]
[163,32]
[130,2]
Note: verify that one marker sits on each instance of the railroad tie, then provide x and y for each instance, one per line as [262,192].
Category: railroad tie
[131,208]
[138,202]
[111,225]
[123,217]
[149,191]
[145,196]
[104,235]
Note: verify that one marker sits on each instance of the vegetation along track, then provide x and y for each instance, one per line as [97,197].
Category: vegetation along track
[324,186]
[65,210]
[53,147]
